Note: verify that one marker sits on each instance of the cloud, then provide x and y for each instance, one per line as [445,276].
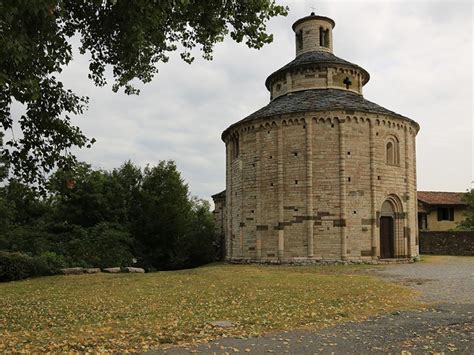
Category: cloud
[419,55]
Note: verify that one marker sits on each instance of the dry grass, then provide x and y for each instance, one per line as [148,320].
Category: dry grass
[432,259]
[132,312]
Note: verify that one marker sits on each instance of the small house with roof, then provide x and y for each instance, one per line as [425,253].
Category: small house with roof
[440,211]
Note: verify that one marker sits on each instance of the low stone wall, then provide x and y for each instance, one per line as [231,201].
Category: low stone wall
[447,243]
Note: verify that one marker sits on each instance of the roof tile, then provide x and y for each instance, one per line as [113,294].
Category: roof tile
[441,198]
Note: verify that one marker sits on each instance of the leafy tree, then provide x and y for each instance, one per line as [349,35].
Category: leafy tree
[103,245]
[3,163]
[124,192]
[468,223]
[201,245]
[131,37]
[96,218]
[5,208]
[163,216]
[80,196]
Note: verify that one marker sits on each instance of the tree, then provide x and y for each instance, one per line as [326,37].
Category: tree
[468,223]
[79,196]
[163,217]
[131,37]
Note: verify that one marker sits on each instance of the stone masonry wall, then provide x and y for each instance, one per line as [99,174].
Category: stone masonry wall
[447,243]
[311,186]
[317,76]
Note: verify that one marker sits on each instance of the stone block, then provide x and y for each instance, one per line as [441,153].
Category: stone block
[72,271]
[112,270]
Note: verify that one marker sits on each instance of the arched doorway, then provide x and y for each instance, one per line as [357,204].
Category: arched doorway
[387,230]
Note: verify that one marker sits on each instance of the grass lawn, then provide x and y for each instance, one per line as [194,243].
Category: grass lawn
[137,312]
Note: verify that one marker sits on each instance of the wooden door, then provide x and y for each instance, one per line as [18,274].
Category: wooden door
[386,238]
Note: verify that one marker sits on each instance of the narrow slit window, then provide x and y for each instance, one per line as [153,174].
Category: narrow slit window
[299,39]
[235,147]
[326,38]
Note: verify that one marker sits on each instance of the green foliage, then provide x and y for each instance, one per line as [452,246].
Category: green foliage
[15,266]
[3,160]
[96,218]
[163,217]
[103,245]
[468,223]
[130,37]
[201,243]
[18,266]
[81,195]
[50,263]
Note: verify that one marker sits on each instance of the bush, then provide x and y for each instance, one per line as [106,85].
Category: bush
[18,266]
[49,263]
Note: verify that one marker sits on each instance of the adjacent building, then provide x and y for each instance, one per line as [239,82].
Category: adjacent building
[440,211]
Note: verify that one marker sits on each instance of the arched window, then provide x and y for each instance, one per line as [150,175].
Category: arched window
[390,157]
[392,152]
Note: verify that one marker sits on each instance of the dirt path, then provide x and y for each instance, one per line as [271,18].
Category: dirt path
[447,326]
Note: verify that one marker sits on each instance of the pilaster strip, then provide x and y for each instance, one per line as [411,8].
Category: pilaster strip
[309,185]
[281,216]
[228,234]
[373,230]
[241,195]
[415,198]
[408,197]
[342,183]
[258,211]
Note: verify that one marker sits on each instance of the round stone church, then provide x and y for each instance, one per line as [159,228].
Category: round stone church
[320,173]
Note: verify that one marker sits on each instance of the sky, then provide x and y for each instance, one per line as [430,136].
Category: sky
[419,55]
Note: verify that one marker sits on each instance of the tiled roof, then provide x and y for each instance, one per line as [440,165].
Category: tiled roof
[315,57]
[318,100]
[441,198]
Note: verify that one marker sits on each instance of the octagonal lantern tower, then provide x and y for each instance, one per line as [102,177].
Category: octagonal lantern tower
[320,173]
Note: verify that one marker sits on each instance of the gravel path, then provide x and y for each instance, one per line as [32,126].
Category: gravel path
[445,279]
[448,326]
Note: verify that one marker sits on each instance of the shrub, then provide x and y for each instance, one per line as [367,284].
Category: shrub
[49,263]
[16,266]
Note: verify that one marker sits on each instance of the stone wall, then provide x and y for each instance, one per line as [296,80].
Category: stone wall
[447,243]
[312,186]
[219,222]
[317,76]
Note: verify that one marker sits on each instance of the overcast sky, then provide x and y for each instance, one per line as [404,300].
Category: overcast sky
[419,56]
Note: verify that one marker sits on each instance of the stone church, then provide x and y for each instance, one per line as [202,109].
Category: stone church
[320,173]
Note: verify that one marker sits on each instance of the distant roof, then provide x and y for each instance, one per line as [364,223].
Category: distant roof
[218,195]
[441,198]
[318,100]
[315,57]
